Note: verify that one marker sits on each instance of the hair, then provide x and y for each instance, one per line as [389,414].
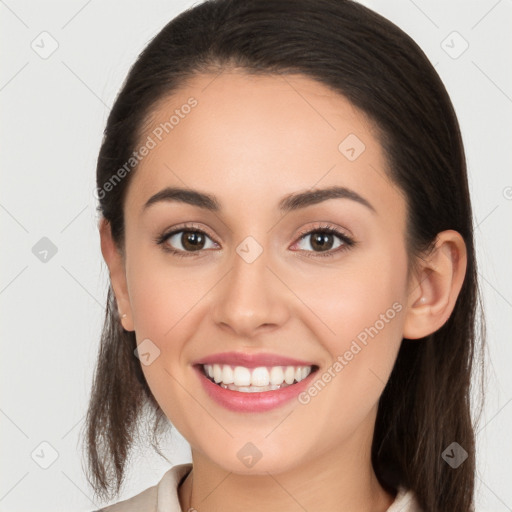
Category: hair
[426,404]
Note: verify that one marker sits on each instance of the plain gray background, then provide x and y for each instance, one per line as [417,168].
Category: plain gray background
[54,109]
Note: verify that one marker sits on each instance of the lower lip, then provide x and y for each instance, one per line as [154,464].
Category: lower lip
[252,402]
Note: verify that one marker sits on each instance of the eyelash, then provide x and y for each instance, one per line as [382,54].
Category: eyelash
[347,241]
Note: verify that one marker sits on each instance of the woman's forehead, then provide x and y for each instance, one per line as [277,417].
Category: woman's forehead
[259,133]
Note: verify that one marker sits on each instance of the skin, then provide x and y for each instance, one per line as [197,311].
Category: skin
[250,141]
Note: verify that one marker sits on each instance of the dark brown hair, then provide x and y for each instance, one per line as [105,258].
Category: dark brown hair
[359,54]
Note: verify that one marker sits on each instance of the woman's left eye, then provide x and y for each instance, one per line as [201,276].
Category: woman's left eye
[194,240]
[323,238]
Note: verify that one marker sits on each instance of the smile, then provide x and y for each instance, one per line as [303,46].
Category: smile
[255,380]
[259,389]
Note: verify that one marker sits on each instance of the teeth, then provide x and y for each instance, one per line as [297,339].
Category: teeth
[217,373]
[241,375]
[256,379]
[228,375]
[252,389]
[289,375]
[276,375]
[260,377]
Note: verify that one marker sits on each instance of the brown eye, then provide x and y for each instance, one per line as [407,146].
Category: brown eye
[185,241]
[322,240]
[192,240]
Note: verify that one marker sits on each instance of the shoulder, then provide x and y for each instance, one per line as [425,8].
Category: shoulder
[405,501]
[159,498]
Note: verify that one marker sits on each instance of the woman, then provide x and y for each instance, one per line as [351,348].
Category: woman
[287,224]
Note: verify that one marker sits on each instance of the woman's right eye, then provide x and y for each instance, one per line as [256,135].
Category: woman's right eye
[184,242]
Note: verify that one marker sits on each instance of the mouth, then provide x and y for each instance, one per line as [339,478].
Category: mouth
[259,389]
[255,380]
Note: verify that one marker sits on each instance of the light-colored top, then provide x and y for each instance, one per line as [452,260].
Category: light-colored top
[163,497]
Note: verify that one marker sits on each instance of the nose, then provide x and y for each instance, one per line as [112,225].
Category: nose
[251,298]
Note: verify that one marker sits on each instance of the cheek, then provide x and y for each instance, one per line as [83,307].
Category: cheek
[365,316]
[162,300]
[353,295]
[162,294]
[361,307]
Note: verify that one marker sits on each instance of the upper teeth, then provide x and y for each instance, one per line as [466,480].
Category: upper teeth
[260,376]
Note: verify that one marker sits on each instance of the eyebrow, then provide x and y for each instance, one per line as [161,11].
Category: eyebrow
[291,202]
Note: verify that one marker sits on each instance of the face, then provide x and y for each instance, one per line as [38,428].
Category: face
[261,274]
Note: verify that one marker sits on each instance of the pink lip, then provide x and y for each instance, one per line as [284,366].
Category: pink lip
[252,402]
[251,360]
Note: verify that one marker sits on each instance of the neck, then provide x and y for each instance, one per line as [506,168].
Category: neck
[337,480]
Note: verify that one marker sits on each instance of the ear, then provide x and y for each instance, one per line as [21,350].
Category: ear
[115,262]
[434,288]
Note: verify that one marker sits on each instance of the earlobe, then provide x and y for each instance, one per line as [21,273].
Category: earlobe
[115,262]
[434,289]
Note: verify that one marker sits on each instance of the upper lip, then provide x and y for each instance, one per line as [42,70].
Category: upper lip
[251,360]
